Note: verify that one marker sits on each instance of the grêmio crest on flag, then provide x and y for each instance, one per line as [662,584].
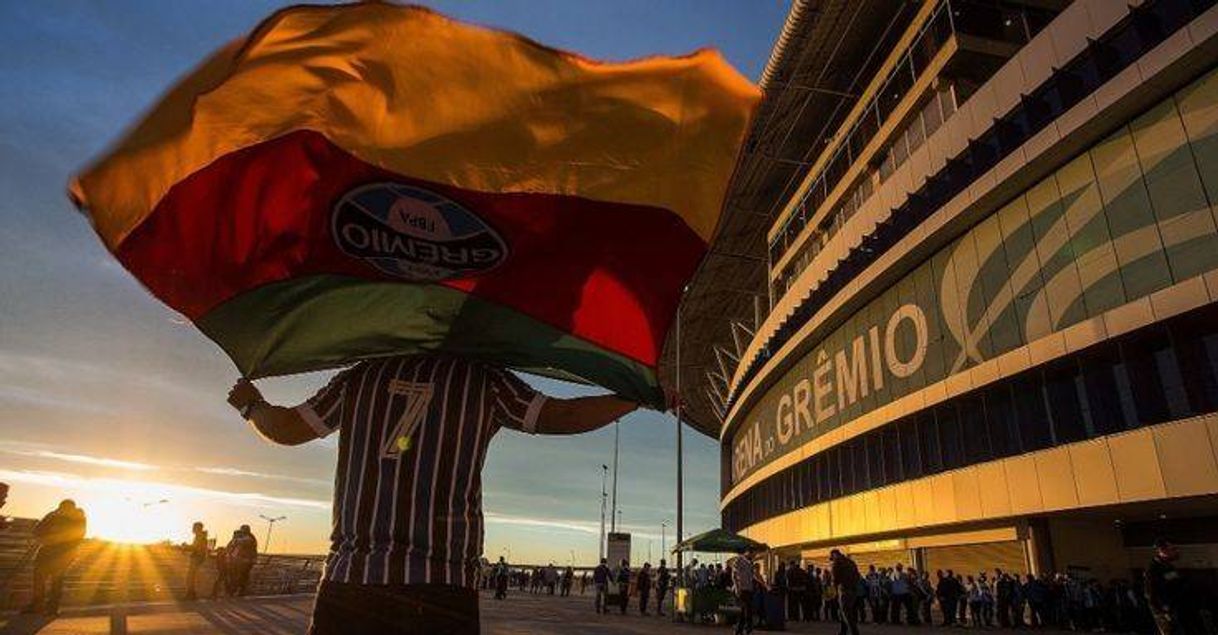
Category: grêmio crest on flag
[415,234]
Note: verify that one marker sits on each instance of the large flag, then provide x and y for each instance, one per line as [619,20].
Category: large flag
[368,180]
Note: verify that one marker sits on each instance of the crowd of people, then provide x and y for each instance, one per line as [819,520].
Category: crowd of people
[1158,600]
[612,586]
[233,562]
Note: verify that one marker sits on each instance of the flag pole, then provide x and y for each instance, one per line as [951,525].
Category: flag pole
[680,451]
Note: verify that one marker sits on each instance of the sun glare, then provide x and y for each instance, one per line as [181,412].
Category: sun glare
[140,515]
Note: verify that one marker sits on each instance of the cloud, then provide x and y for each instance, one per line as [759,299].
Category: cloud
[232,471]
[84,459]
[154,489]
[564,524]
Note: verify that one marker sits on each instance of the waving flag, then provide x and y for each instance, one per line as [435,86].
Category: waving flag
[368,180]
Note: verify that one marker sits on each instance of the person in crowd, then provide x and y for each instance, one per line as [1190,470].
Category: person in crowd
[375,407]
[816,594]
[780,586]
[871,583]
[1036,594]
[1166,594]
[242,554]
[623,585]
[1003,597]
[961,601]
[847,579]
[58,535]
[900,596]
[583,582]
[222,583]
[549,578]
[196,556]
[500,578]
[643,584]
[972,590]
[3,499]
[949,591]
[797,591]
[568,579]
[761,595]
[832,601]
[743,584]
[600,579]
[662,582]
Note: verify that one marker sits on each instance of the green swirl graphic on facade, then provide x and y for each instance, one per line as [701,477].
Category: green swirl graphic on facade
[1130,216]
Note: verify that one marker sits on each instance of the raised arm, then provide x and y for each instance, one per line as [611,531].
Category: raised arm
[277,424]
[584,414]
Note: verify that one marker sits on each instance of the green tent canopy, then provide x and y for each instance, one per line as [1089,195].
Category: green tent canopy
[720,541]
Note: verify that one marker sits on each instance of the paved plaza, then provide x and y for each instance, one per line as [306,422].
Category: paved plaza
[520,614]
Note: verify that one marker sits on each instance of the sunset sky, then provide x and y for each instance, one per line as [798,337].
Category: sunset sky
[111,398]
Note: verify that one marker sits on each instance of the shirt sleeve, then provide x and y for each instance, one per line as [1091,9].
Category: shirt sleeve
[515,404]
[323,411]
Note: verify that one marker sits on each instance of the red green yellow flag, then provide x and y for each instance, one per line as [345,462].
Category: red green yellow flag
[369,180]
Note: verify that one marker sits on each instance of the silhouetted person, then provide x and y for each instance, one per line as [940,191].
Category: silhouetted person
[416,429]
[3,500]
[242,554]
[1167,595]
[846,578]
[197,555]
[600,578]
[743,584]
[623,585]
[501,579]
[59,534]
[663,579]
[222,583]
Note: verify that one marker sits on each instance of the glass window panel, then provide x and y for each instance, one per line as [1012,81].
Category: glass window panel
[891,448]
[951,442]
[974,429]
[1064,408]
[1173,383]
[1033,416]
[1145,383]
[1001,420]
[911,461]
[1099,368]
[928,443]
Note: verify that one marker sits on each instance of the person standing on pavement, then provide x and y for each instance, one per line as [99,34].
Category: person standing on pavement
[408,526]
[1167,595]
[797,590]
[502,571]
[901,597]
[644,586]
[623,585]
[59,535]
[847,580]
[741,568]
[662,582]
[600,579]
[242,554]
[197,555]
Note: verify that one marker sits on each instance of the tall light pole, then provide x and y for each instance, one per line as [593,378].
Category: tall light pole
[270,524]
[604,500]
[663,544]
[616,438]
[680,447]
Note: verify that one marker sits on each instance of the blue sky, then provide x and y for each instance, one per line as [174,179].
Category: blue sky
[110,397]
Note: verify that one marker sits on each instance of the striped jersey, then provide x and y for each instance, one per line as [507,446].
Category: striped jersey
[413,433]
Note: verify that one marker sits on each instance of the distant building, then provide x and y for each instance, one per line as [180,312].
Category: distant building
[963,310]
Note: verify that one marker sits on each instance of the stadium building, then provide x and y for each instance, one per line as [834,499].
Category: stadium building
[963,308]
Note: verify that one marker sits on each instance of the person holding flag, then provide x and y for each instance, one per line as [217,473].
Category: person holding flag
[407,517]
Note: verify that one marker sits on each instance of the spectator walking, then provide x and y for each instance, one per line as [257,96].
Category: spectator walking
[949,592]
[741,568]
[568,579]
[900,597]
[58,534]
[600,579]
[1167,595]
[502,571]
[797,583]
[222,582]
[847,580]
[1036,594]
[816,594]
[663,579]
[197,555]
[433,417]
[242,554]
[644,586]
[623,585]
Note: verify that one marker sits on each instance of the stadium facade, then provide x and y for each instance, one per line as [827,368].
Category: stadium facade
[986,329]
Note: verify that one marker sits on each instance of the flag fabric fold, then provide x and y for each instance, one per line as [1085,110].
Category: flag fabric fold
[368,180]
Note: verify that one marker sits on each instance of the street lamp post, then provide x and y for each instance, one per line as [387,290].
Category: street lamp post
[604,499]
[663,544]
[270,524]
